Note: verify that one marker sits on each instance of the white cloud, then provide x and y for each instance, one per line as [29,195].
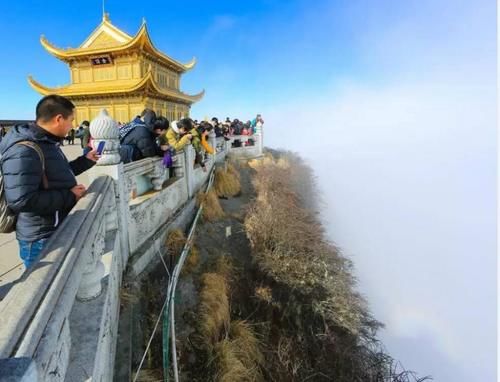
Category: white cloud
[408,173]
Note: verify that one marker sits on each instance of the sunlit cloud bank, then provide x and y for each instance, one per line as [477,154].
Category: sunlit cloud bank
[407,173]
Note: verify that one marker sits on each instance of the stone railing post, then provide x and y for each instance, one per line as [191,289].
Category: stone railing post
[104,128]
[189,156]
[259,139]
[212,141]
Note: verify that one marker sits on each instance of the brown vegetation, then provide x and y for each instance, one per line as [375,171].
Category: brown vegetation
[227,181]
[192,261]
[213,309]
[296,253]
[319,326]
[175,242]
[212,209]
[232,347]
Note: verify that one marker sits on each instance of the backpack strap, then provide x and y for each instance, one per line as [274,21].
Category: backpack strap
[39,151]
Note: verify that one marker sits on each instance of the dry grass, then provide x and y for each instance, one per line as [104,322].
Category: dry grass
[230,366]
[296,254]
[192,261]
[264,293]
[213,309]
[232,168]
[227,183]
[128,296]
[175,242]
[243,334]
[212,210]
[233,346]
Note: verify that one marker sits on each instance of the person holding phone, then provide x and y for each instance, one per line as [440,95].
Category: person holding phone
[39,182]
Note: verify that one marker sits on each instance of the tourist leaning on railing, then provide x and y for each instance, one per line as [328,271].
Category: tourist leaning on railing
[204,130]
[137,140]
[178,136]
[39,182]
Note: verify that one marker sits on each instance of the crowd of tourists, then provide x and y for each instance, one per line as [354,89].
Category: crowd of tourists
[38,186]
[149,135]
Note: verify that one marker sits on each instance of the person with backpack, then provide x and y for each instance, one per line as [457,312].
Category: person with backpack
[137,140]
[38,185]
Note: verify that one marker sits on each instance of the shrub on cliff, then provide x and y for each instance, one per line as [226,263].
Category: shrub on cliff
[290,248]
[320,327]
[227,181]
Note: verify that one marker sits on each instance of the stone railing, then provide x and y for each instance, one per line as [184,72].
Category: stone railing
[37,319]
[60,321]
[251,146]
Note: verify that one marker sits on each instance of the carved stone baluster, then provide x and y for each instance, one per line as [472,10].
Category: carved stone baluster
[90,286]
[104,128]
[178,163]
[158,176]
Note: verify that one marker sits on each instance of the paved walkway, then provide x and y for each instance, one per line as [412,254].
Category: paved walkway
[11,266]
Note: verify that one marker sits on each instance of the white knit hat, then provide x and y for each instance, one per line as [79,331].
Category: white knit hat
[174,126]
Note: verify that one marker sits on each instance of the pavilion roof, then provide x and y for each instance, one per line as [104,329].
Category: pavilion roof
[107,38]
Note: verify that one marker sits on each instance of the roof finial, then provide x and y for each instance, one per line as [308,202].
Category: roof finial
[105,15]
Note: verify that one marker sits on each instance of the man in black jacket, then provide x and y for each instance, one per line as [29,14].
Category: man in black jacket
[137,140]
[40,198]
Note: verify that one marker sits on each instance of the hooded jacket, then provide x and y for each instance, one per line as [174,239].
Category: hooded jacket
[139,136]
[39,211]
[175,140]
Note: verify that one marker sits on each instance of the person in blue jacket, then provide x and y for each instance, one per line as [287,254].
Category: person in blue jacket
[40,184]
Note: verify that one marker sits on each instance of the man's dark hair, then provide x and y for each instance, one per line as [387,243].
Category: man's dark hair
[161,123]
[185,123]
[50,106]
[85,123]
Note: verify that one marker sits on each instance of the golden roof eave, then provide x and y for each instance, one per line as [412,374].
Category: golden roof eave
[147,80]
[141,39]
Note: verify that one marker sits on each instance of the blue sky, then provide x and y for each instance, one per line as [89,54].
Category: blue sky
[249,53]
[393,103]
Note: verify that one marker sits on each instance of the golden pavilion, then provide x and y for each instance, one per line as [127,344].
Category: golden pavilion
[121,73]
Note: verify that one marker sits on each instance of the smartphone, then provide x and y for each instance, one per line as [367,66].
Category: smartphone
[100,147]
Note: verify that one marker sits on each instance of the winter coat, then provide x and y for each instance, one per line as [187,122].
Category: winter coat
[195,141]
[141,138]
[175,140]
[39,211]
[209,149]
